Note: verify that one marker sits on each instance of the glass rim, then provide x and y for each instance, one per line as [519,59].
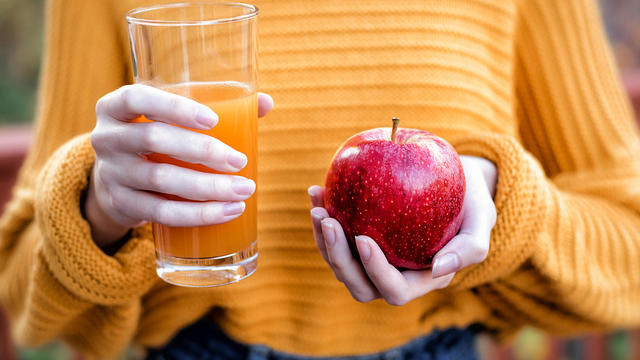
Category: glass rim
[133,19]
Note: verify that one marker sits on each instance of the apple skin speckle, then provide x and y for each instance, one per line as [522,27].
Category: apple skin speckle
[406,195]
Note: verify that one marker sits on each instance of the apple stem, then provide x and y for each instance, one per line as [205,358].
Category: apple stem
[395,129]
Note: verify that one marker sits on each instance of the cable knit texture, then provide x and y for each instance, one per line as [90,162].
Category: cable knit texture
[527,84]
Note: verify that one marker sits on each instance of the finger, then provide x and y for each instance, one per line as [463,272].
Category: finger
[317,215]
[176,142]
[471,244]
[131,101]
[316,193]
[345,267]
[141,174]
[390,282]
[133,204]
[467,248]
[422,282]
[265,104]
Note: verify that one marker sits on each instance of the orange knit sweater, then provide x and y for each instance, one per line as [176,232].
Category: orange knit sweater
[528,84]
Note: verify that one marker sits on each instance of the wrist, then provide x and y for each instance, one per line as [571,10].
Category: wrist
[107,234]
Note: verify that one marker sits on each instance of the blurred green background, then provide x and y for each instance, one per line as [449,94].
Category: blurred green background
[21,24]
[20,49]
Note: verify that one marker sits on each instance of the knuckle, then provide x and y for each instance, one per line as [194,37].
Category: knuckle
[199,188]
[152,135]
[209,187]
[128,97]
[214,186]
[98,169]
[161,212]
[174,104]
[338,267]
[156,175]
[191,111]
[104,181]
[209,215]
[118,201]
[183,108]
[213,150]
[104,138]
[97,139]
[103,172]
[397,299]
[101,105]
[120,136]
[478,251]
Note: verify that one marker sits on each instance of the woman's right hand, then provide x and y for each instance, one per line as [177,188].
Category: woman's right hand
[120,194]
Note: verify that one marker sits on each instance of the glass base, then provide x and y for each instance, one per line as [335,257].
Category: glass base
[208,272]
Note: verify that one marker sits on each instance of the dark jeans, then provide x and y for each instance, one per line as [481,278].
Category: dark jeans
[205,340]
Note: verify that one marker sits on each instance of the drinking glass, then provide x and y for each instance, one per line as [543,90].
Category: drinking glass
[206,51]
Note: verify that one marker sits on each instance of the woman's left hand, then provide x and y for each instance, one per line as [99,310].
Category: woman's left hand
[375,278]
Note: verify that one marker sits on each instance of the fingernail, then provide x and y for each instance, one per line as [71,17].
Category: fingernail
[233,208]
[237,160]
[363,248]
[329,233]
[206,117]
[309,190]
[243,186]
[445,265]
[316,213]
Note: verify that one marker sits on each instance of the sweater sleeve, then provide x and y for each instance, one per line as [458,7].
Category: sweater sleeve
[54,281]
[565,249]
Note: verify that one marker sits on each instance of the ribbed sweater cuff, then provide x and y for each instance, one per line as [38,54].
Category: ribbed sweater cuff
[521,203]
[68,247]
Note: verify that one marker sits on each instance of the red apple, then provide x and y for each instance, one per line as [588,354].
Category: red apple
[404,188]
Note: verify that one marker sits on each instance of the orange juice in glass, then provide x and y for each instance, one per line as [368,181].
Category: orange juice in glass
[206,52]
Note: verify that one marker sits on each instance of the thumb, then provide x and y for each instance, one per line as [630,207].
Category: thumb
[265,104]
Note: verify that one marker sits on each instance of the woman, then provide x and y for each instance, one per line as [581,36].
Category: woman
[524,90]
